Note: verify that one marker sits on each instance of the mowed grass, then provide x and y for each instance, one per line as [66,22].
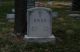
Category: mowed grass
[65,28]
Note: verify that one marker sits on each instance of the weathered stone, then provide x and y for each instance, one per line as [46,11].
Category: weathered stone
[10,17]
[39,25]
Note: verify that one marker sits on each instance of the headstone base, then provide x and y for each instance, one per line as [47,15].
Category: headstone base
[40,39]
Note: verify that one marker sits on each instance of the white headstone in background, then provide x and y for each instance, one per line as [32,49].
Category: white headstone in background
[39,25]
[10,17]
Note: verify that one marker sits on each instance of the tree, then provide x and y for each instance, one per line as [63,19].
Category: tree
[20,17]
[76,5]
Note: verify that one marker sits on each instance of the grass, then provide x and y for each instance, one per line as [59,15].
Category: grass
[65,28]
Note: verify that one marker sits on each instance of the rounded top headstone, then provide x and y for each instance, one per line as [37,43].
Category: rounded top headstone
[44,8]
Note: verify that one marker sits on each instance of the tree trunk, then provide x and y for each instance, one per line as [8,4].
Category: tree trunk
[20,17]
[76,5]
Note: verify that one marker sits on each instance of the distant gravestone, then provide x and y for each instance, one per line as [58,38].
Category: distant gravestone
[39,25]
[74,15]
[10,17]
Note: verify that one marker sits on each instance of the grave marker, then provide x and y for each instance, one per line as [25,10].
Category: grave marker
[39,25]
[10,17]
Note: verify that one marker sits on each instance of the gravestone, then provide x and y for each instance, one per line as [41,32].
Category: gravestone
[10,17]
[74,15]
[39,25]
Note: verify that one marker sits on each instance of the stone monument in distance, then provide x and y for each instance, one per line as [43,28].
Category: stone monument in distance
[39,25]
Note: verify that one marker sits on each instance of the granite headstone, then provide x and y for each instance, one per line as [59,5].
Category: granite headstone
[10,17]
[39,25]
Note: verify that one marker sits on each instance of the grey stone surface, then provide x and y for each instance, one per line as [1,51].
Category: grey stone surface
[10,17]
[39,25]
[50,39]
[74,14]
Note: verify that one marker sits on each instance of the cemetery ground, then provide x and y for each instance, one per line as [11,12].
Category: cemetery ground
[65,28]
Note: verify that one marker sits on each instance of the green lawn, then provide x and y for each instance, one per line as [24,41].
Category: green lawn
[65,28]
